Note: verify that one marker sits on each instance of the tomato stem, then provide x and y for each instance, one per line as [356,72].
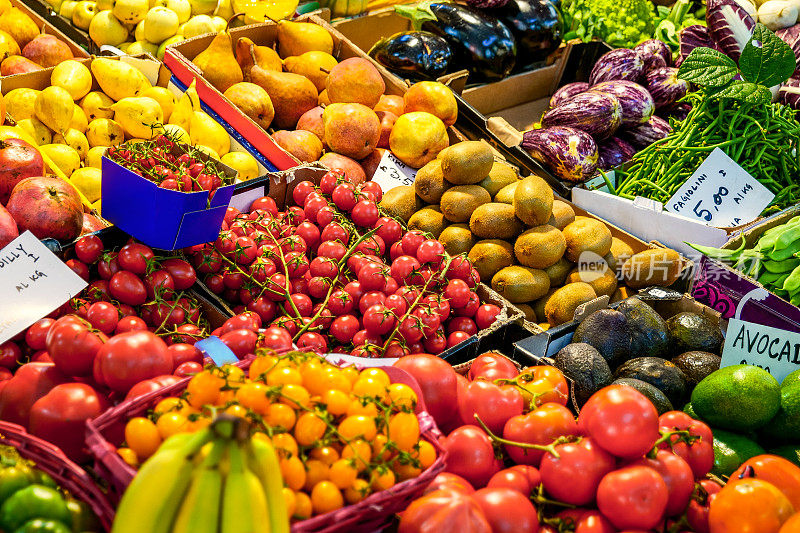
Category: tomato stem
[666,436]
[550,448]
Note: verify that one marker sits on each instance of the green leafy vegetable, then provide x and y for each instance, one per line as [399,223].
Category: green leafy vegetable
[620,23]
[766,59]
[705,66]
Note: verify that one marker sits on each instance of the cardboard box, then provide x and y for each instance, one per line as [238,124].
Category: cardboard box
[178,59]
[736,295]
[61,27]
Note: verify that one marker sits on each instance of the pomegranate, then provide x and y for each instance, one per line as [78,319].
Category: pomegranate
[90,224]
[18,160]
[8,227]
[48,207]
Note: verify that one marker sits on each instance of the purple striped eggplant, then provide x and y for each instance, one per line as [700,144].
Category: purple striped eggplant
[665,87]
[653,62]
[655,47]
[693,37]
[598,114]
[789,93]
[619,64]
[636,103]
[791,36]
[613,152]
[566,92]
[729,25]
[568,153]
[646,134]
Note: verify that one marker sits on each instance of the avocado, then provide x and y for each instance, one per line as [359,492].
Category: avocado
[689,410]
[694,332]
[584,365]
[790,452]
[659,373]
[737,397]
[731,450]
[785,427]
[696,365]
[607,330]
[649,335]
[656,397]
[793,377]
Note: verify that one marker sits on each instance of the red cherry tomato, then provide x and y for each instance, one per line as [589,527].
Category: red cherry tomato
[515,478]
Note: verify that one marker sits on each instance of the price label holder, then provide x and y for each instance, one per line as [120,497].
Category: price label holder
[720,193]
[775,350]
[392,172]
[217,350]
[33,283]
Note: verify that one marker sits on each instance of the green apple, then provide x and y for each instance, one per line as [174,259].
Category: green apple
[219,23]
[106,29]
[66,9]
[198,25]
[130,11]
[160,23]
[142,47]
[84,12]
[138,32]
[163,46]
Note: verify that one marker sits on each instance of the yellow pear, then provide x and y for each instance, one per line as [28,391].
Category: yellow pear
[73,77]
[291,94]
[75,139]
[64,157]
[104,5]
[296,38]
[242,162]
[314,65]
[203,7]
[106,29]
[176,133]
[104,132]
[138,116]
[142,47]
[53,107]
[38,131]
[198,25]
[79,120]
[8,46]
[138,31]
[164,97]
[130,11]
[160,23]
[5,5]
[19,25]
[182,113]
[97,104]
[13,132]
[117,79]
[20,103]
[253,101]
[88,181]
[210,152]
[94,157]
[224,9]
[218,64]
[162,48]
[206,131]
[248,53]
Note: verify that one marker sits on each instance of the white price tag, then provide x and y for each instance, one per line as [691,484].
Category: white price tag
[775,350]
[392,172]
[33,282]
[720,193]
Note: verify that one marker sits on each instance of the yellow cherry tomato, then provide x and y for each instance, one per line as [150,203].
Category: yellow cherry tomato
[357,492]
[404,431]
[358,426]
[316,471]
[402,395]
[343,473]
[326,454]
[377,374]
[129,456]
[325,497]
[309,429]
[281,415]
[293,472]
[170,424]
[382,479]
[337,401]
[302,506]
[142,437]
[253,395]
[284,444]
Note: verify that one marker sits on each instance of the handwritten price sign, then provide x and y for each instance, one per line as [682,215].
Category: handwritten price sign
[393,173]
[33,282]
[720,193]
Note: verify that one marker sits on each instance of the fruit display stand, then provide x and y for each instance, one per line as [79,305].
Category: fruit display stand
[48,26]
[51,460]
[178,59]
[63,25]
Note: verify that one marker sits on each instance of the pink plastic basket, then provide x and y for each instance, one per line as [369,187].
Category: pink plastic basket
[69,476]
[371,514]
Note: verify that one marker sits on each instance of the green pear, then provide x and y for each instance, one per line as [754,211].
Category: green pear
[198,25]
[162,48]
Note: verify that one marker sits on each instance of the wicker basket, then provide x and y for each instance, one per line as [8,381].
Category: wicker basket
[371,514]
[52,461]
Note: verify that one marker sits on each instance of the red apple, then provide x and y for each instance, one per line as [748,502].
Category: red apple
[48,207]
[8,227]
[18,160]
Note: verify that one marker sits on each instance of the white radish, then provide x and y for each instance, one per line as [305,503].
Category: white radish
[778,14]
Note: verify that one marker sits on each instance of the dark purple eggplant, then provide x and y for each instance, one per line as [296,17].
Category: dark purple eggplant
[729,26]
[677,111]
[655,47]
[791,36]
[665,87]
[613,152]
[480,43]
[636,103]
[693,37]
[568,153]
[413,54]
[598,114]
[789,93]
[646,134]
[486,4]
[619,64]
[536,25]
[568,91]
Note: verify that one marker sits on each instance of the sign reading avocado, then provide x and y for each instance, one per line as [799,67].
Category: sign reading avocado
[775,350]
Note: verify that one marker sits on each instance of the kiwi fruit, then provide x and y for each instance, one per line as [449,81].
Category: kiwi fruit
[401,202]
[428,220]
[557,272]
[561,305]
[538,305]
[619,253]
[430,183]
[519,284]
[603,281]
[659,266]
[457,239]
[562,216]
[586,234]
[467,162]
[527,310]
[490,256]
[502,174]
[533,201]
[506,194]
[495,221]
[540,247]
[460,201]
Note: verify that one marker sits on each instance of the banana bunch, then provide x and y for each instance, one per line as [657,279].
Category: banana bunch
[217,480]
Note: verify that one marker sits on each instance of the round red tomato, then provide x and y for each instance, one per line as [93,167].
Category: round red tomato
[470,455]
[491,366]
[444,511]
[493,404]
[73,346]
[522,478]
[678,476]
[131,357]
[573,476]
[541,426]
[182,352]
[447,480]
[633,497]
[30,382]
[437,380]
[507,510]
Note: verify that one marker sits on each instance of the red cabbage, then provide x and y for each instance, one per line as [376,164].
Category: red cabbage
[729,25]
[789,93]
[693,37]
[791,36]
